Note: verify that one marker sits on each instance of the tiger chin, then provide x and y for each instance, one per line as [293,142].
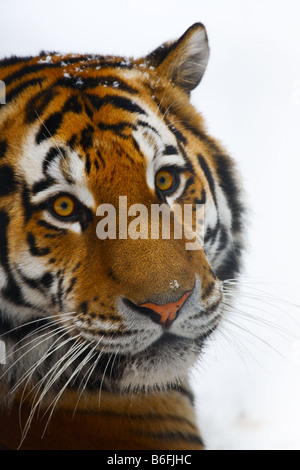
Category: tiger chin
[100,332]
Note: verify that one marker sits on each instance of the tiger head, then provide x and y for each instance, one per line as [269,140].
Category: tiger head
[80,135]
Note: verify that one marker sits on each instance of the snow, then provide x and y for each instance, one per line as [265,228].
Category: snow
[248,383]
[46,60]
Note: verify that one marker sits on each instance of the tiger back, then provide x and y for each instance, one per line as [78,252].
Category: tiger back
[102,313]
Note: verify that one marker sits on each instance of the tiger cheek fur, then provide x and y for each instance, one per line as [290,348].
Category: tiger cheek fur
[120,317]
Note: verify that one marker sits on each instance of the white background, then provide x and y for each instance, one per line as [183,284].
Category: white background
[248,386]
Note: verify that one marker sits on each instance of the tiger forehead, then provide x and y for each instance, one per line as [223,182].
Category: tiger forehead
[76,145]
[113,94]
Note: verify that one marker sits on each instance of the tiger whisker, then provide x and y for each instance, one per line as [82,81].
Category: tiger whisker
[89,372]
[86,378]
[239,347]
[280,306]
[46,336]
[113,364]
[47,354]
[103,377]
[77,370]
[264,296]
[258,320]
[231,322]
[33,333]
[56,370]
[39,397]
[24,325]
[31,371]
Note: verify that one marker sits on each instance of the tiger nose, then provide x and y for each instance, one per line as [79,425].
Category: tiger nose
[167,313]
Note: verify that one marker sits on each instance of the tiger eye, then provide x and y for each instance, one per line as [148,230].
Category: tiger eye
[164,180]
[64,206]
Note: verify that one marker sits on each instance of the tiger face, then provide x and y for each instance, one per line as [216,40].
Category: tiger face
[83,132]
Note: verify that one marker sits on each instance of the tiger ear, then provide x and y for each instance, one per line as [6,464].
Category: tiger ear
[184,61]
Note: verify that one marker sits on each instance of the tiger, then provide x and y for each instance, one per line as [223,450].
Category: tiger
[101,334]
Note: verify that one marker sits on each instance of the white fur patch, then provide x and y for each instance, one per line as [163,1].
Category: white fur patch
[32,167]
[152,143]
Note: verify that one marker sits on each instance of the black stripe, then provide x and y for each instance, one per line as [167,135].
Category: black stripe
[88,83]
[211,326]
[86,139]
[116,128]
[110,81]
[229,185]
[72,105]
[71,286]
[211,234]
[182,152]
[72,142]
[44,224]
[26,70]
[47,280]
[209,177]
[172,436]
[124,103]
[223,239]
[188,183]
[11,291]
[8,182]
[231,265]
[88,110]
[38,284]
[28,208]
[146,124]
[170,150]
[13,60]
[179,136]
[72,82]
[142,416]
[42,185]
[101,159]
[88,164]
[38,104]
[24,85]
[208,291]
[49,128]
[117,101]
[183,391]
[34,249]
[4,221]
[60,291]
[3,148]
[52,154]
